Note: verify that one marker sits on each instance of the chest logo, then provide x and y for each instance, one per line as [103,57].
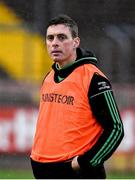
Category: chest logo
[58,98]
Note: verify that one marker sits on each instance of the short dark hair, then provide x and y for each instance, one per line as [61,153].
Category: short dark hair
[67,21]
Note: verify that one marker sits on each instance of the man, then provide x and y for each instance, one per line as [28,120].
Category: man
[79,126]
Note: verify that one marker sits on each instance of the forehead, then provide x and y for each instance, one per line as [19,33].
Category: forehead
[58,29]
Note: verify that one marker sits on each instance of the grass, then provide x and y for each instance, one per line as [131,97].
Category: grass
[121,175]
[27,174]
[15,174]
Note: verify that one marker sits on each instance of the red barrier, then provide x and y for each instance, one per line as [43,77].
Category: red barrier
[17,127]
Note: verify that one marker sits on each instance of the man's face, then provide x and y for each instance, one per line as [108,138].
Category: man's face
[61,45]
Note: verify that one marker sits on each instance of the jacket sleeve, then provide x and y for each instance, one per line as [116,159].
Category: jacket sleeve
[105,110]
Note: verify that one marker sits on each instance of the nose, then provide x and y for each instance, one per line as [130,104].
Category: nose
[55,41]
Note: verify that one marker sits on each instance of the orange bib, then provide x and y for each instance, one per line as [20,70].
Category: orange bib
[66,126]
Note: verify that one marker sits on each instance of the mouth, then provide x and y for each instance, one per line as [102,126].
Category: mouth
[56,52]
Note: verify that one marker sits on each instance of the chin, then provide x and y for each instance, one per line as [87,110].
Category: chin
[57,60]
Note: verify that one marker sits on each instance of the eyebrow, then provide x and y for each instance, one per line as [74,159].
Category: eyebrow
[57,34]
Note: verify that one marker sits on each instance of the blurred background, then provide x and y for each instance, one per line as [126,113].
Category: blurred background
[106,27]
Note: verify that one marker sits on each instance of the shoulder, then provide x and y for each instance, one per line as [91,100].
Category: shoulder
[99,84]
[91,69]
[47,76]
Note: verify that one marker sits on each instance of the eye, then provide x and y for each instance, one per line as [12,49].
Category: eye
[62,37]
[50,37]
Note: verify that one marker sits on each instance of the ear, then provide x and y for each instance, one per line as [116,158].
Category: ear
[76,42]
